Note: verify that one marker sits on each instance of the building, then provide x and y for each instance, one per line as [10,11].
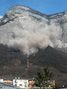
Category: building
[31,84]
[21,83]
[1,80]
[9,82]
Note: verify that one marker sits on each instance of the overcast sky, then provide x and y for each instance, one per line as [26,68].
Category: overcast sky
[44,6]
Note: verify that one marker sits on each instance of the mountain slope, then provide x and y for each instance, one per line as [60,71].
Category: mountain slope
[26,33]
[51,57]
[48,57]
[15,63]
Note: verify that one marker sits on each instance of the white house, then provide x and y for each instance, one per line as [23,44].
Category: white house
[1,80]
[21,83]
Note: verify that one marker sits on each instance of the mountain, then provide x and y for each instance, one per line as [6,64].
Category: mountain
[26,29]
[29,34]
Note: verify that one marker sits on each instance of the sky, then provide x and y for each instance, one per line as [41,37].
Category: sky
[44,6]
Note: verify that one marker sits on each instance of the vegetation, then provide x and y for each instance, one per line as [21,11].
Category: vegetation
[42,78]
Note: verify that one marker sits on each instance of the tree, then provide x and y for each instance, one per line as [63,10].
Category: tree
[42,78]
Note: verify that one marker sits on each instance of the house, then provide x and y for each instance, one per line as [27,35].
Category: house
[21,83]
[31,83]
[9,82]
[1,80]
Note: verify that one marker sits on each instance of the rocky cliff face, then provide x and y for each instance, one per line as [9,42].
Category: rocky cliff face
[26,29]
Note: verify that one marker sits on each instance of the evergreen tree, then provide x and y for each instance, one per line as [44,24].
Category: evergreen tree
[42,78]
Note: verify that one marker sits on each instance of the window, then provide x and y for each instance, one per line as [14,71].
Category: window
[20,84]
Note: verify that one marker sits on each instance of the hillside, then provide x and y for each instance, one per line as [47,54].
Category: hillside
[14,63]
[29,36]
